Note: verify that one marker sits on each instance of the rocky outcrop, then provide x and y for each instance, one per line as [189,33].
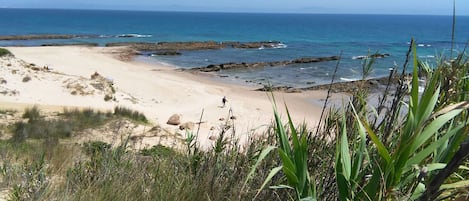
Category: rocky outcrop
[353,86]
[253,45]
[166,53]
[374,56]
[195,45]
[46,36]
[169,45]
[227,66]
[280,88]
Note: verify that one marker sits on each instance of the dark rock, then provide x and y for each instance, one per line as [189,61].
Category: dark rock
[174,120]
[169,46]
[46,36]
[253,45]
[354,86]
[376,55]
[195,45]
[285,89]
[228,66]
[167,53]
[187,126]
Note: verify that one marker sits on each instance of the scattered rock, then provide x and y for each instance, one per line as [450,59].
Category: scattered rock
[174,120]
[231,65]
[353,86]
[376,55]
[285,89]
[167,53]
[187,126]
[196,45]
[45,36]
[221,119]
[233,118]
[26,79]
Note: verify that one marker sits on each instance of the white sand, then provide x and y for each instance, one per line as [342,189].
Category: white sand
[156,90]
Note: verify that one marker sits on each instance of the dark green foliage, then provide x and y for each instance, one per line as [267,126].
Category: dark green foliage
[131,114]
[41,129]
[87,118]
[5,52]
[33,114]
[26,79]
[159,151]
[38,127]
[96,147]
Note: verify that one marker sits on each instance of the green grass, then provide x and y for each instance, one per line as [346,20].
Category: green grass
[413,147]
[131,114]
[424,138]
[5,52]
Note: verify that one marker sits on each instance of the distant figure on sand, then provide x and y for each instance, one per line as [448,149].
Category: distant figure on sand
[223,100]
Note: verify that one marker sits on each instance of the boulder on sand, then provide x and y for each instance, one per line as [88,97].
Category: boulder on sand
[174,120]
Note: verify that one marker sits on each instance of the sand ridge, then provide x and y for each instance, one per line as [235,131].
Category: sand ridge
[156,90]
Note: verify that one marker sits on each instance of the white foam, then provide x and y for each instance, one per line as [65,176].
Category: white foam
[360,57]
[280,45]
[348,79]
[132,35]
[424,45]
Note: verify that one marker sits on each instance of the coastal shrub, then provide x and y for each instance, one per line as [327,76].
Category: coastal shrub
[5,52]
[86,118]
[34,183]
[408,148]
[95,147]
[41,129]
[158,151]
[7,111]
[26,79]
[51,130]
[294,158]
[107,97]
[131,114]
[32,114]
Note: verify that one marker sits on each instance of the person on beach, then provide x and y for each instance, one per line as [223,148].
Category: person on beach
[223,100]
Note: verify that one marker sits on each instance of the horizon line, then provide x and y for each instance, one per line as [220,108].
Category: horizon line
[233,12]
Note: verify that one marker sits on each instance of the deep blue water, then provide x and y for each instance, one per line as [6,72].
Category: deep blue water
[306,35]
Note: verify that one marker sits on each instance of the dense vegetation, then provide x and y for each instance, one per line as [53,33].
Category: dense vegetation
[411,145]
[4,52]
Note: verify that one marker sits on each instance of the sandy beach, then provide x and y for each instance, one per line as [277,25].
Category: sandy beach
[62,77]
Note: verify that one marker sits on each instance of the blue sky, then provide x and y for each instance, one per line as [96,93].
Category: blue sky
[430,7]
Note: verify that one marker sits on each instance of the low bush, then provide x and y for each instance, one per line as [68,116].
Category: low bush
[5,52]
[26,79]
[131,114]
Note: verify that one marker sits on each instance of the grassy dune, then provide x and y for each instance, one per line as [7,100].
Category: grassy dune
[411,145]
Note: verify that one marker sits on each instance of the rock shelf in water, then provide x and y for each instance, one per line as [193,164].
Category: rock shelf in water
[196,45]
[46,36]
[229,66]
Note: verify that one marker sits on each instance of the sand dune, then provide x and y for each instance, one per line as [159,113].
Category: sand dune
[61,77]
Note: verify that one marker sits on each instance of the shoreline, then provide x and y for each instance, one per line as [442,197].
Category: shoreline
[156,90]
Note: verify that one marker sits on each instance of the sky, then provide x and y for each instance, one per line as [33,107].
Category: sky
[426,7]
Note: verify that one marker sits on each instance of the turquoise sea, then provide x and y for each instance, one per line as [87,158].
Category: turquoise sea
[304,35]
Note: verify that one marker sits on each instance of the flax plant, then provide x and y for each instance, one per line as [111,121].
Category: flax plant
[370,168]
[294,158]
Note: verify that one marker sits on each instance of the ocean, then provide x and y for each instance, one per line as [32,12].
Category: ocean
[303,35]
